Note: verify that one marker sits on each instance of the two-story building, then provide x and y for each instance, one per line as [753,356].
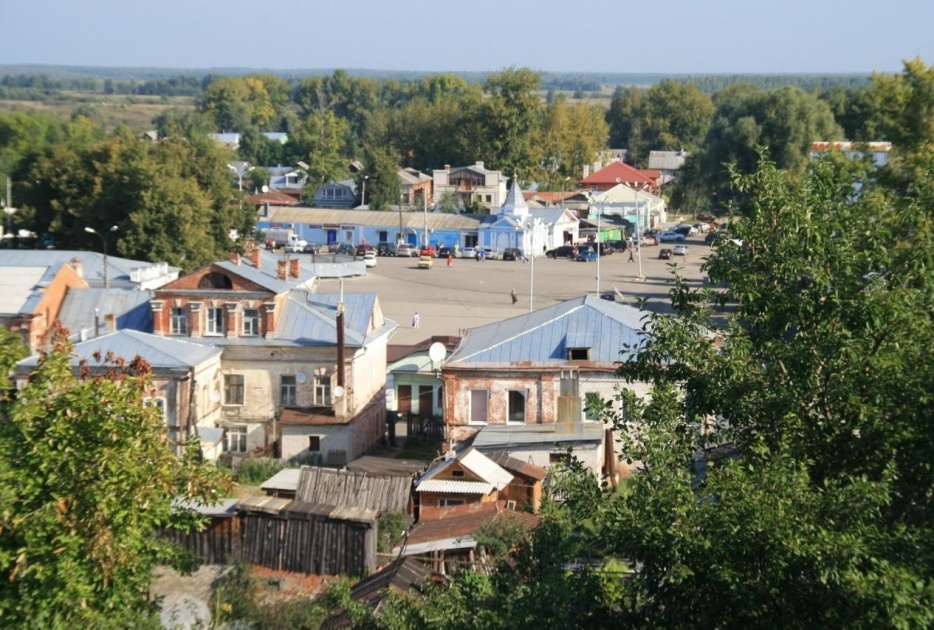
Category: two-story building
[470,185]
[302,373]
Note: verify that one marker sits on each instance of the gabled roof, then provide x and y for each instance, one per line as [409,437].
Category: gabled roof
[454,527]
[411,176]
[546,334]
[489,475]
[514,200]
[274,197]
[16,288]
[394,352]
[618,172]
[159,352]
[551,216]
[121,272]
[81,306]
[552,197]
[267,274]
[667,160]
[324,486]
[374,218]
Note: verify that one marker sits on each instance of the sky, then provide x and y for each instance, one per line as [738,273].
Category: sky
[606,36]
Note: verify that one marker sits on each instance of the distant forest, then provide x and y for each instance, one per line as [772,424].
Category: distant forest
[42,82]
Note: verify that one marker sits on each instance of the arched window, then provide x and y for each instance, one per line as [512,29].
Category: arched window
[215,281]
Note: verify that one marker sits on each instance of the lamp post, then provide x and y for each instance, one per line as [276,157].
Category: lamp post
[363,195]
[240,171]
[8,208]
[401,235]
[101,236]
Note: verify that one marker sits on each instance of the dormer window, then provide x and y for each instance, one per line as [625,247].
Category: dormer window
[215,281]
[578,354]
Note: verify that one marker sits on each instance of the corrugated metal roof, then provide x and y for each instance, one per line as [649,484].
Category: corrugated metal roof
[450,486]
[159,352]
[667,160]
[224,507]
[484,467]
[372,218]
[504,437]
[545,335]
[119,270]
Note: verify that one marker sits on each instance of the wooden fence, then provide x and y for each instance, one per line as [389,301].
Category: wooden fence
[430,429]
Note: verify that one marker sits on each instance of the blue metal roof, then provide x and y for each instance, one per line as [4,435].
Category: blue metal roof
[131,308]
[547,334]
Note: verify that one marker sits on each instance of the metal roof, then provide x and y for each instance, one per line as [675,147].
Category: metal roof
[159,352]
[667,160]
[546,334]
[120,271]
[210,436]
[286,479]
[452,486]
[500,437]
[17,286]
[477,464]
[224,507]
[373,218]
[81,306]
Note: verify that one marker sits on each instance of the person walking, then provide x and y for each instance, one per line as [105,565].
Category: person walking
[630,254]
[514,295]
[415,320]
[450,259]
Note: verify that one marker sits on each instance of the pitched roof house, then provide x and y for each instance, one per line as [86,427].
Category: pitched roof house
[620,173]
[470,184]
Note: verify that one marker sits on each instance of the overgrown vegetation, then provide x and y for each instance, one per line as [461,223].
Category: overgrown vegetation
[391,527]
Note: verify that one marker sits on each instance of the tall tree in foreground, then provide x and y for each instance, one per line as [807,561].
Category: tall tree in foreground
[86,482]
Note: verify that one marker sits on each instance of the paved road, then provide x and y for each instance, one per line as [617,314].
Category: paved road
[471,293]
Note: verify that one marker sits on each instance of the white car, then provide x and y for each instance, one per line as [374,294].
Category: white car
[469,252]
[369,258]
[671,235]
[681,250]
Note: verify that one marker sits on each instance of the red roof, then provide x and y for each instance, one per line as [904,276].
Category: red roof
[620,173]
[464,520]
[275,198]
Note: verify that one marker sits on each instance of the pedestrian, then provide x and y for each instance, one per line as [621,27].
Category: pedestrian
[415,320]
[514,296]
[630,255]
[450,259]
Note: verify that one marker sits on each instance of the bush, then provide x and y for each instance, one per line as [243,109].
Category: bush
[389,529]
[253,471]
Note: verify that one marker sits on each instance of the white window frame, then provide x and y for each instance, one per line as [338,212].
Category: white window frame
[214,326]
[251,322]
[323,394]
[178,321]
[288,392]
[236,436]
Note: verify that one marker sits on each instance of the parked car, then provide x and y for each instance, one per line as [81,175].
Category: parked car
[512,253]
[345,249]
[427,250]
[425,262]
[586,255]
[444,251]
[369,258]
[406,250]
[687,230]
[312,248]
[681,250]
[565,251]
[669,236]
[363,249]
[385,249]
[664,254]
[606,249]
[469,252]
[701,227]
[648,239]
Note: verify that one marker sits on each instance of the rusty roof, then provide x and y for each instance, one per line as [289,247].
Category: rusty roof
[394,352]
[517,466]
[386,466]
[314,416]
[461,521]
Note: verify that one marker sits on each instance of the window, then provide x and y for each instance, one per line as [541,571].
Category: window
[178,321]
[287,390]
[215,321]
[578,354]
[478,402]
[457,474]
[322,390]
[233,389]
[157,402]
[516,411]
[250,322]
[314,443]
[558,458]
[591,406]
[235,440]
[450,502]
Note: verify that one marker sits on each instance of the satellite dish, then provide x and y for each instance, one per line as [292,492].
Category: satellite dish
[265,188]
[338,391]
[300,378]
[437,352]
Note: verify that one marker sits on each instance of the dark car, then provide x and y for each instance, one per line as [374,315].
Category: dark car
[586,254]
[512,253]
[664,254]
[606,249]
[385,249]
[684,230]
[312,248]
[345,249]
[565,251]
[362,249]
[444,251]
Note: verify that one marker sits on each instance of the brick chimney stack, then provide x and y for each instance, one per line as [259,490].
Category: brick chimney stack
[235,258]
[283,270]
[78,266]
[110,322]
[254,257]
[294,267]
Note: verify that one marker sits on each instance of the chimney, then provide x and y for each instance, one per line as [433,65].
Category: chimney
[254,257]
[283,269]
[294,265]
[110,322]
[78,266]
[235,258]
[586,171]
[447,168]
[479,164]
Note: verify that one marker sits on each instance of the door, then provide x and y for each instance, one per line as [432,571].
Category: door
[426,403]
[332,237]
[405,399]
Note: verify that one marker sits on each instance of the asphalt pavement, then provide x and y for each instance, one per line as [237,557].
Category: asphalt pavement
[470,293]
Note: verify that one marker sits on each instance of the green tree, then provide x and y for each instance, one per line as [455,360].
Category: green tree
[87,484]
[382,188]
[903,106]
[571,137]
[321,140]
[508,121]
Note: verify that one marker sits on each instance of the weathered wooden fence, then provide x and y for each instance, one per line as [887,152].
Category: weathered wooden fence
[219,543]
[430,428]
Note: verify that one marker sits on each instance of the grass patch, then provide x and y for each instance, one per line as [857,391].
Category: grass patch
[421,451]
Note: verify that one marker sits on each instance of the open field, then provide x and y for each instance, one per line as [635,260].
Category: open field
[136,112]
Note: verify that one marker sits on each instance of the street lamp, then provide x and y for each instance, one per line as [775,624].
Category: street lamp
[8,208]
[91,230]
[240,171]
[363,196]
[401,235]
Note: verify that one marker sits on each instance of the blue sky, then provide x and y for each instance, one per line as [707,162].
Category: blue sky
[678,36]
